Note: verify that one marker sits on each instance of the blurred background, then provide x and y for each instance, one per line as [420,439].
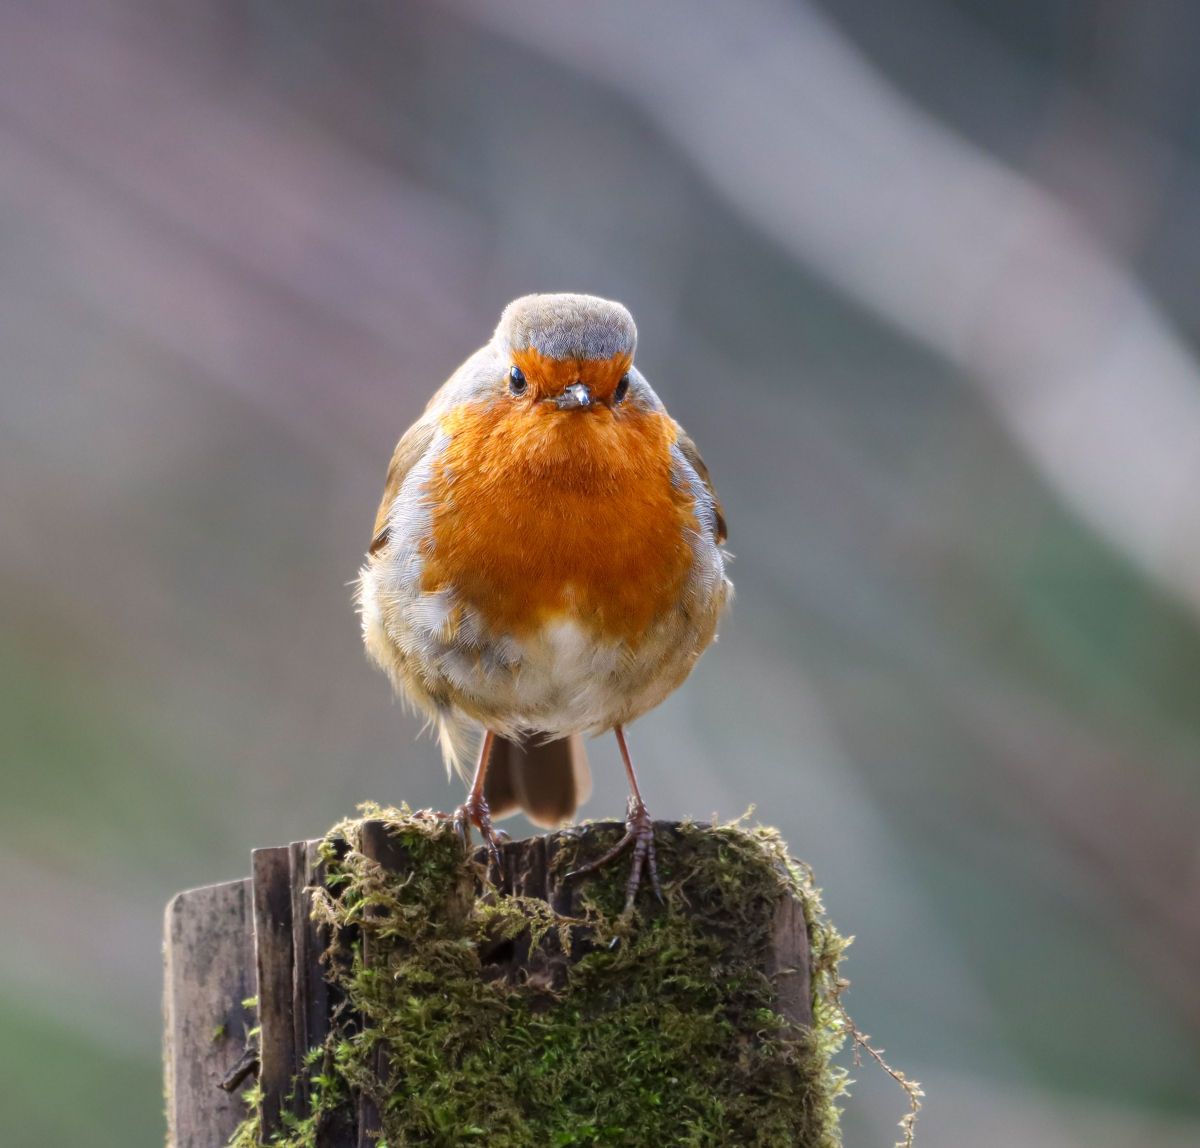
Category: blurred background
[922,279]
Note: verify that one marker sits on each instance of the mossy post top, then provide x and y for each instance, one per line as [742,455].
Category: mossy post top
[532,1009]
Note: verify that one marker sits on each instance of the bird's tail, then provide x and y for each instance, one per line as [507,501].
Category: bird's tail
[548,780]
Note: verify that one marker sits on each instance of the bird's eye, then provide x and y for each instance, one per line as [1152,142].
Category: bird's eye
[622,389]
[517,383]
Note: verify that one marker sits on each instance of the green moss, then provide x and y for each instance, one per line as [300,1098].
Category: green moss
[662,1030]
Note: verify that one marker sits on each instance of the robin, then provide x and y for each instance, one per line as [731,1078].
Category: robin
[546,563]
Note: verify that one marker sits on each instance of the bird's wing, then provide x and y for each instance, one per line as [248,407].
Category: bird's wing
[697,463]
[474,378]
[408,453]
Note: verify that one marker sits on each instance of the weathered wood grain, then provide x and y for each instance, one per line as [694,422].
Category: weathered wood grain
[382,847]
[209,970]
[273,961]
[789,961]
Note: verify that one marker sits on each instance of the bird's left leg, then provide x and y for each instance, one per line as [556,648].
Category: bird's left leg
[474,811]
[639,832]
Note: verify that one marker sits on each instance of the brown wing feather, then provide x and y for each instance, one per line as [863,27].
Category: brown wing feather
[693,456]
[408,452]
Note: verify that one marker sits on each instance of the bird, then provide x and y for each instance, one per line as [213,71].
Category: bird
[546,564]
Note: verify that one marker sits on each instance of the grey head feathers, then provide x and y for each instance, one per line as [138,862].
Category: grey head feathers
[567,327]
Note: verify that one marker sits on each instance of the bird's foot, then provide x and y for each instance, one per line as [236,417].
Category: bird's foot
[474,811]
[639,832]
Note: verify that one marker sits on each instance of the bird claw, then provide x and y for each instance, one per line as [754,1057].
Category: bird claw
[475,812]
[639,832]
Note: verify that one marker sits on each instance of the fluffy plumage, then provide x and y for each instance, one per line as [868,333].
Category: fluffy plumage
[539,571]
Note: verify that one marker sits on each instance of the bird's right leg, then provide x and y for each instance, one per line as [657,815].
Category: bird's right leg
[474,811]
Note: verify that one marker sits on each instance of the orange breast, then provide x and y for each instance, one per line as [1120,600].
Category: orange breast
[540,513]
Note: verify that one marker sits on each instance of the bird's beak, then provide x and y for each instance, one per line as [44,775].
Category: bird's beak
[578,396]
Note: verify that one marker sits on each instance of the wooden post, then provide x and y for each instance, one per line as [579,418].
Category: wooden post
[209,972]
[788,964]
[273,964]
[257,937]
